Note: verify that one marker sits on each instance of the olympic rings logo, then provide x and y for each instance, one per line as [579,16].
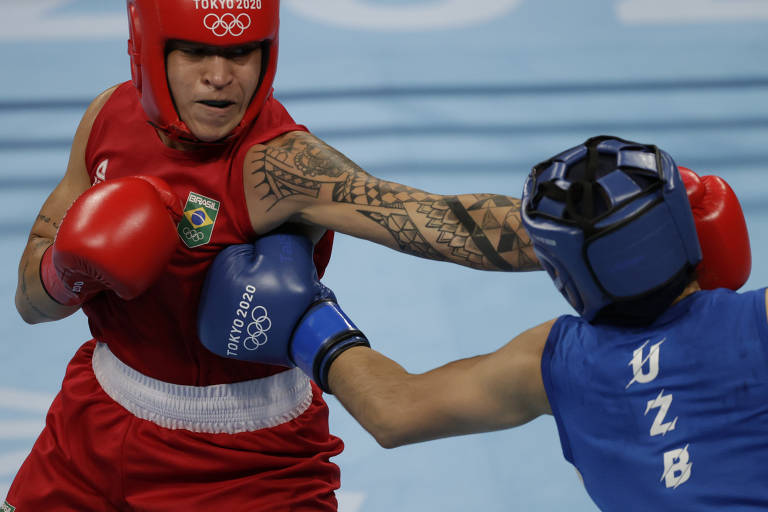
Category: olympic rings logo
[192,235]
[227,24]
[257,330]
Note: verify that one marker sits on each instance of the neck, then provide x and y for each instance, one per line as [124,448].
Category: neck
[692,287]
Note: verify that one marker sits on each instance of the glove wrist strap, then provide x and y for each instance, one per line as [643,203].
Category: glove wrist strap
[53,285]
[322,335]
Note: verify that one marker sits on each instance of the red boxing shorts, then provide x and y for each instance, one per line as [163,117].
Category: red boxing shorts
[126,442]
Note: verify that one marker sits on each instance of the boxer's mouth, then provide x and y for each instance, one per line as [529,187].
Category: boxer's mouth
[217,103]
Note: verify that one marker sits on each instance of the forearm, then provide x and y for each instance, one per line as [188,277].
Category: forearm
[481,231]
[489,392]
[367,384]
[298,175]
[399,408]
[32,301]
[489,234]
[468,230]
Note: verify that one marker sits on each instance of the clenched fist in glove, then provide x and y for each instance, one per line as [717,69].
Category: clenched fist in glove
[262,302]
[726,257]
[118,235]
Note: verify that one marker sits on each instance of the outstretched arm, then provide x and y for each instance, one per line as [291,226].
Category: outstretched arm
[308,329]
[480,394]
[298,177]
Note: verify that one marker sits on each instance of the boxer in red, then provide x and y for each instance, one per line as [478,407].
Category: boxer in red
[147,418]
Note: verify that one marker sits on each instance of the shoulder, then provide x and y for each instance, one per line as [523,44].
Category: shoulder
[721,299]
[568,336]
[282,146]
[291,138]
[104,96]
[95,107]
[98,103]
[543,330]
[531,341]
[752,300]
[273,125]
[569,325]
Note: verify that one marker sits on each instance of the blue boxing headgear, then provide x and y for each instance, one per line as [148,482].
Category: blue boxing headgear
[611,223]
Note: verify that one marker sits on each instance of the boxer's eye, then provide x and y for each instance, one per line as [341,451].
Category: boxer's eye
[194,52]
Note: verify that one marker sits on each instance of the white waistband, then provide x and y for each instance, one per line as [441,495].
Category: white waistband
[221,408]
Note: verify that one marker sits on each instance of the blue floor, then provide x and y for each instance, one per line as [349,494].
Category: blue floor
[448,96]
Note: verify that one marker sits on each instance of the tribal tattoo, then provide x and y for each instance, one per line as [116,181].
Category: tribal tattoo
[477,230]
[492,224]
[272,171]
[405,233]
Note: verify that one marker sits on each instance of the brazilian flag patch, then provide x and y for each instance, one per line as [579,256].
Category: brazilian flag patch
[198,220]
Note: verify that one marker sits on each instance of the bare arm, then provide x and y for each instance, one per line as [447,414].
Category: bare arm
[32,302]
[298,177]
[489,392]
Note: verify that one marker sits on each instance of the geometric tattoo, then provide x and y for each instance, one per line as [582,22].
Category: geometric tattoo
[281,183]
[405,233]
[508,235]
[477,230]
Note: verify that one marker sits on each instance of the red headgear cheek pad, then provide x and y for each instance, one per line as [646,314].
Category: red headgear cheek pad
[212,22]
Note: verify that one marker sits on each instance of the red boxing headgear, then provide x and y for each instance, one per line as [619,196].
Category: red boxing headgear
[212,22]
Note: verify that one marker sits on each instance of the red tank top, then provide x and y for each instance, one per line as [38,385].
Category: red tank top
[156,333]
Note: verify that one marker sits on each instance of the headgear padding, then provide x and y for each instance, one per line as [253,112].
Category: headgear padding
[610,222]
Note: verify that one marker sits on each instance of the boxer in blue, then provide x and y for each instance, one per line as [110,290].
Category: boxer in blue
[659,387]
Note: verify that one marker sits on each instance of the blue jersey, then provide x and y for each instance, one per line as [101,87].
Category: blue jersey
[670,417]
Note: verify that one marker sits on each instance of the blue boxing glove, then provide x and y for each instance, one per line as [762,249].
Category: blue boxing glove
[263,302]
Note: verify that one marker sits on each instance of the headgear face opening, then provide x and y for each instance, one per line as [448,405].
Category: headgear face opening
[611,223]
[153,23]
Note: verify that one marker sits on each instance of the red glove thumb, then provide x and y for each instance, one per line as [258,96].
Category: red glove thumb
[171,201]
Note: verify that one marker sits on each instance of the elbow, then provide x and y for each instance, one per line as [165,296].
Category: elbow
[389,441]
[25,312]
[28,320]
[384,443]
[388,437]
[28,316]
[388,425]
[383,434]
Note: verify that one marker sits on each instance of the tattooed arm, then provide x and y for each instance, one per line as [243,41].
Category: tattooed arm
[297,177]
[32,301]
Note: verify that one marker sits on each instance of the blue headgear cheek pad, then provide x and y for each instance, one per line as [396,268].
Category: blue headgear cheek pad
[627,252]
[641,238]
[550,240]
[560,277]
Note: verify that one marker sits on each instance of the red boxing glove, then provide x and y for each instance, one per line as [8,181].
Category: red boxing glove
[726,257]
[322,253]
[118,235]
